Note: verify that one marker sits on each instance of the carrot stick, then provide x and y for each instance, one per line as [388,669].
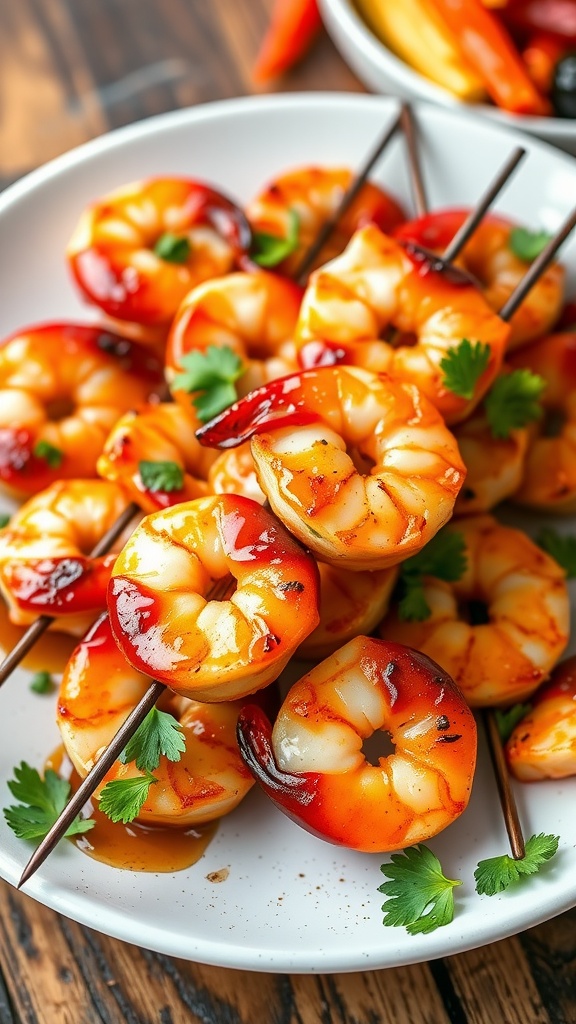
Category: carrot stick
[293,26]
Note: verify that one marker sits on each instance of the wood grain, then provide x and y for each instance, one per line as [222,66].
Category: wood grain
[70,70]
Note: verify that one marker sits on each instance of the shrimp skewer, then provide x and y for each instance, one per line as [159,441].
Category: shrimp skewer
[543,744]
[312,765]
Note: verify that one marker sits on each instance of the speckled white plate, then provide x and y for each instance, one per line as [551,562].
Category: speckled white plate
[290,902]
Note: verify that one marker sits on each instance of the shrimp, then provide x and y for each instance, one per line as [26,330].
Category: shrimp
[500,628]
[377,282]
[44,563]
[205,649]
[136,252]
[549,478]
[313,767]
[98,691]
[494,465]
[489,256]
[234,472]
[351,603]
[370,475]
[62,387]
[313,195]
[161,435]
[543,744]
[252,314]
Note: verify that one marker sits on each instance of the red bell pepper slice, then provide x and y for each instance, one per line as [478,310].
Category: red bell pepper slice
[293,26]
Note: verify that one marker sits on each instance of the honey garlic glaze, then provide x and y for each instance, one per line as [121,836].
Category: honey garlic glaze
[133,847]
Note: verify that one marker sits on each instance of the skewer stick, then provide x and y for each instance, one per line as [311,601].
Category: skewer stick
[416,177]
[39,627]
[307,262]
[507,799]
[153,693]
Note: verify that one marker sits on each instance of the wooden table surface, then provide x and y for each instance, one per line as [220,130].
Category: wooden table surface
[69,70]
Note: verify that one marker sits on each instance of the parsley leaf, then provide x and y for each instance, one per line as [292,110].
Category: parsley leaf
[158,734]
[513,401]
[43,800]
[463,366]
[561,548]
[52,455]
[161,476]
[527,245]
[122,799]
[42,683]
[213,373]
[4,520]
[173,248]
[508,719]
[443,557]
[270,250]
[422,898]
[497,873]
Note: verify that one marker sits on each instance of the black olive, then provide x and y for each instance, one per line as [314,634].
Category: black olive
[564,86]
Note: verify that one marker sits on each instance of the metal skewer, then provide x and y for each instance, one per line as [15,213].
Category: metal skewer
[416,177]
[154,691]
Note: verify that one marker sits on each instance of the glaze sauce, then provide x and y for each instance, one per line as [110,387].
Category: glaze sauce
[134,847]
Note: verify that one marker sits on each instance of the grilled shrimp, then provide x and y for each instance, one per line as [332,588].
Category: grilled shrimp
[494,466]
[500,628]
[62,387]
[100,688]
[543,744]
[313,767]
[207,649]
[143,444]
[377,282]
[312,195]
[252,314]
[549,478]
[44,563]
[351,604]
[489,256]
[368,477]
[137,251]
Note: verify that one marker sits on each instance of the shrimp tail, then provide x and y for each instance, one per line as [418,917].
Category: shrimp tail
[272,404]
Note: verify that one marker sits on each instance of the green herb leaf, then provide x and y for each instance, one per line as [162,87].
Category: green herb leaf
[161,476]
[270,250]
[413,606]
[4,520]
[173,248]
[159,734]
[497,873]
[43,800]
[122,799]
[508,719]
[513,401]
[443,557]
[422,898]
[561,548]
[463,366]
[52,455]
[42,682]
[527,245]
[213,373]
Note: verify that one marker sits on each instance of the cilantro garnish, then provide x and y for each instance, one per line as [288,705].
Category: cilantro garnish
[213,373]
[513,401]
[122,799]
[4,520]
[561,548]
[43,800]
[158,734]
[527,245]
[52,455]
[42,682]
[422,898]
[161,476]
[443,557]
[497,873]
[508,719]
[270,250]
[463,366]
[173,248]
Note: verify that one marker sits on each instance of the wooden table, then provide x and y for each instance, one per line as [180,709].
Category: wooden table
[69,70]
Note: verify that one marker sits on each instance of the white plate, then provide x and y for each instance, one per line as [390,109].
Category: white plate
[381,70]
[291,902]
